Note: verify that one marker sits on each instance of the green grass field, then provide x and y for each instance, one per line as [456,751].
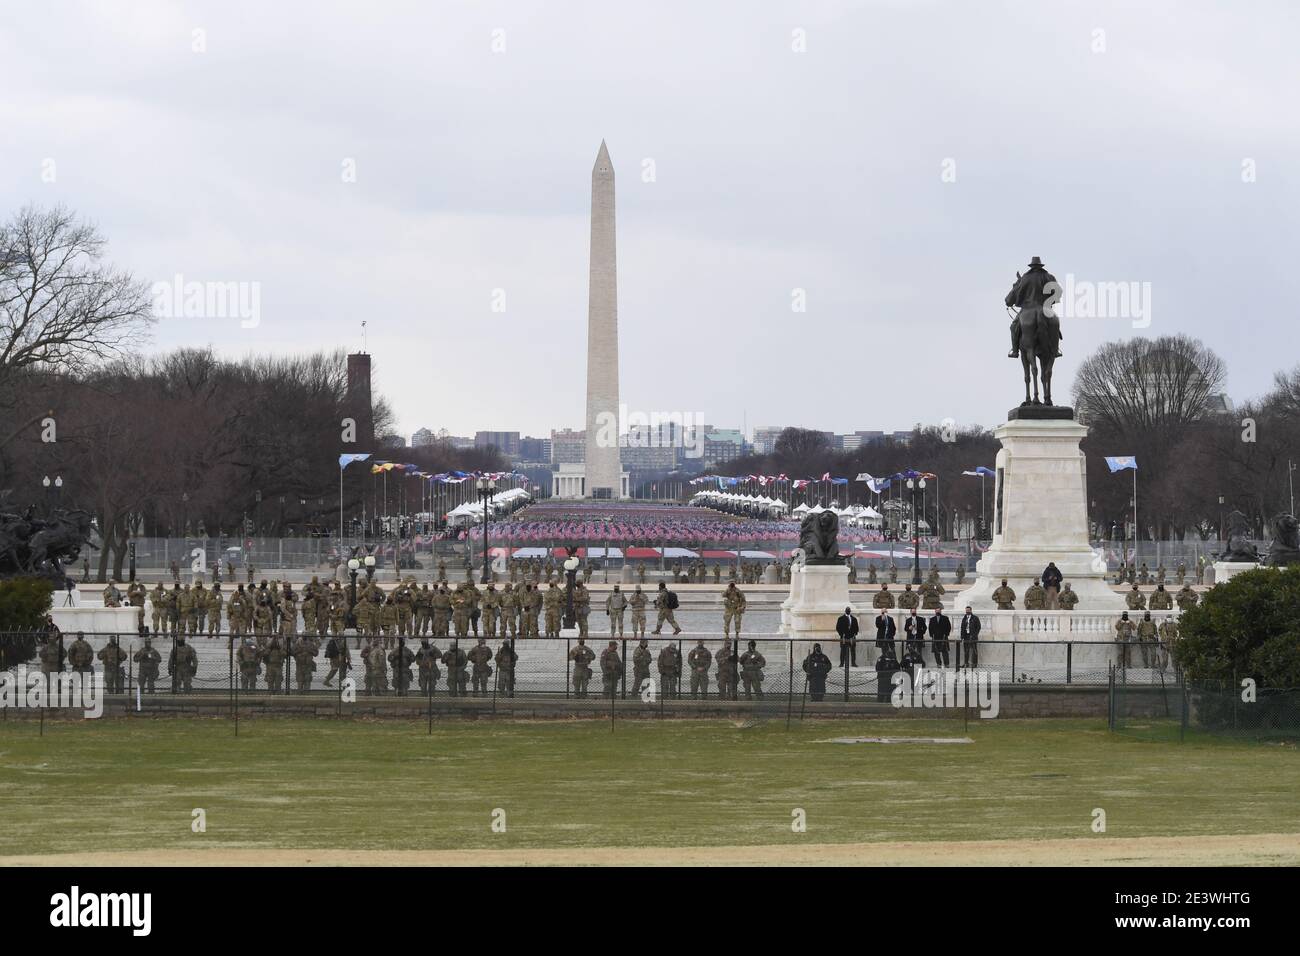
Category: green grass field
[131,785]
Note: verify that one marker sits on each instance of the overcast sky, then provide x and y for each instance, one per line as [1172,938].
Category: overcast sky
[899,169]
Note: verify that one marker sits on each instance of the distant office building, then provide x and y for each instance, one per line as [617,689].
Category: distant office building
[535,449]
[459,442]
[568,447]
[423,438]
[507,443]
[765,437]
[722,445]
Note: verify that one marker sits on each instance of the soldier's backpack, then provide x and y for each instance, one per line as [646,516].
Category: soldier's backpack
[671,600]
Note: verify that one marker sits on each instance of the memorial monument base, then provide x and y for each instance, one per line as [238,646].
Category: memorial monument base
[1226,570]
[819,593]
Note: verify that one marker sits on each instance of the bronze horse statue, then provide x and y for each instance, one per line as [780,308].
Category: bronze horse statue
[1035,329]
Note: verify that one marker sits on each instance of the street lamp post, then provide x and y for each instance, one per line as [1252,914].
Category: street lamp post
[487,487]
[916,486]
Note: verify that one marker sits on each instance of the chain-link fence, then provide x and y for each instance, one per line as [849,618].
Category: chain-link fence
[1215,708]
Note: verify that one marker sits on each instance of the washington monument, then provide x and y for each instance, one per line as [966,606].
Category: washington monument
[603,469]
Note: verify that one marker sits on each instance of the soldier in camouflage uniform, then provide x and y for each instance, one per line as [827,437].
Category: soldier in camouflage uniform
[200,615]
[884,598]
[506,659]
[727,678]
[337,653]
[182,664]
[238,613]
[1182,573]
[248,659]
[215,602]
[401,658]
[491,609]
[305,650]
[149,661]
[480,657]
[733,609]
[276,653]
[615,605]
[455,660]
[638,603]
[893,573]
[379,666]
[611,669]
[1004,597]
[665,610]
[1147,635]
[908,600]
[113,658]
[158,606]
[552,602]
[581,607]
[426,666]
[699,660]
[670,670]
[932,594]
[961,573]
[582,656]
[1035,597]
[1187,598]
[1161,600]
[641,658]
[873,576]
[288,617]
[1135,599]
[185,603]
[1144,574]
[440,605]
[460,608]
[81,655]
[174,610]
[509,610]
[1168,637]
[1068,598]
[751,671]
[1124,633]
[112,596]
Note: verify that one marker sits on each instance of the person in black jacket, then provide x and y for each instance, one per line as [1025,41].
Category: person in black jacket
[970,635]
[1051,578]
[847,628]
[914,626]
[817,665]
[885,631]
[940,628]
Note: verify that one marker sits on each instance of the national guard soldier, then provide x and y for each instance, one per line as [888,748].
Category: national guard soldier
[112,596]
[1168,637]
[402,610]
[817,665]
[1035,597]
[274,656]
[158,605]
[506,659]
[1181,572]
[582,656]
[1160,573]
[751,671]
[884,599]
[733,609]
[611,669]
[378,666]
[1144,575]
[727,681]
[480,656]
[491,609]
[665,604]
[81,656]
[238,613]
[442,571]
[305,650]
[615,605]
[249,660]
[641,658]
[136,593]
[401,658]
[670,670]
[1148,636]
[426,666]
[185,608]
[421,609]
[338,618]
[699,660]
[509,611]
[200,608]
[1161,600]
[640,574]
[1135,599]
[460,608]
[587,572]
[961,573]
[149,660]
[215,602]
[388,620]
[288,617]
[1187,598]
[908,600]
[263,619]
[182,664]
[581,606]
[455,660]
[872,575]
[638,602]
[717,574]
[552,603]
[337,653]
[475,599]
[1004,597]
[308,608]
[440,604]
[1124,633]
[112,657]
[893,573]
[932,596]
[1068,598]
[534,608]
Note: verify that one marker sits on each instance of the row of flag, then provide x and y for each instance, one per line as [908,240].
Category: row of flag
[446,477]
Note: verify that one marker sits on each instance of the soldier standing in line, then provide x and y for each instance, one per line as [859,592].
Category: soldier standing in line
[638,603]
[455,661]
[249,660]
[665,605]
[615,604]
[1161,600]
[1147,636]
[182,664]
[884,599]
[136,593]
[733,609]
[817,665]
[401,658]
[337,653]
[893,573]
[274,657]
[215,602]
[1135,599]
[611,669]
[440,606]
[112,657]
[670,671]
[426,663]
[379,666]
[1168,637]
[534,609]
[157,605]
[1187,598]
[491,608]
[641,658]
[872,575]
[581,607]
[727,678]
[1035,597]
[1004,597]
[149,660]
[460,611]
[305,650]
[506,659]
[1182,573]
[1068,599]
[509,611]
[200,608]
[185,611]
[909,600]
[480,656]
[699,660]
[961,573]
[582,656]
[751,671]
[552,604]
[1124,632]
[81,655]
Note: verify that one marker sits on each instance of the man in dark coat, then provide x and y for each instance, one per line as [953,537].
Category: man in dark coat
[1051,578]
[885,631]
[817,665]
[914,646]
[847,628]
[940,628]
[970,635]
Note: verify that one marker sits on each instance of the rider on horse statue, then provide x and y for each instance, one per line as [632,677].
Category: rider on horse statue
[1030,295]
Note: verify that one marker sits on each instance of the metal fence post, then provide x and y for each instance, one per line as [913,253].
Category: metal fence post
[1069,660]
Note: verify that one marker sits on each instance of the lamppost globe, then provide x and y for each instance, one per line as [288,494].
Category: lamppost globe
[45,482]
[354,565]
[370,561]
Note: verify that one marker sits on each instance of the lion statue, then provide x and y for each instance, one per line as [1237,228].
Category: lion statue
[819,538]
[1285,547]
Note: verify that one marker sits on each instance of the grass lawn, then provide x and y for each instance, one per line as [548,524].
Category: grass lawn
[386,785]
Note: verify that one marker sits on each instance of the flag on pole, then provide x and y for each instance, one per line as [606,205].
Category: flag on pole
[1121,462]
[981,470]
[345,460]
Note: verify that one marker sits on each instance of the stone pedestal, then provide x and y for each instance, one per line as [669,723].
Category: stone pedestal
[625,576]
[771,575]
[819,593]
[1226,570]
[1040,514]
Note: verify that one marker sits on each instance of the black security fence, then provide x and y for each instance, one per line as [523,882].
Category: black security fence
[1178,709]
[674,667]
